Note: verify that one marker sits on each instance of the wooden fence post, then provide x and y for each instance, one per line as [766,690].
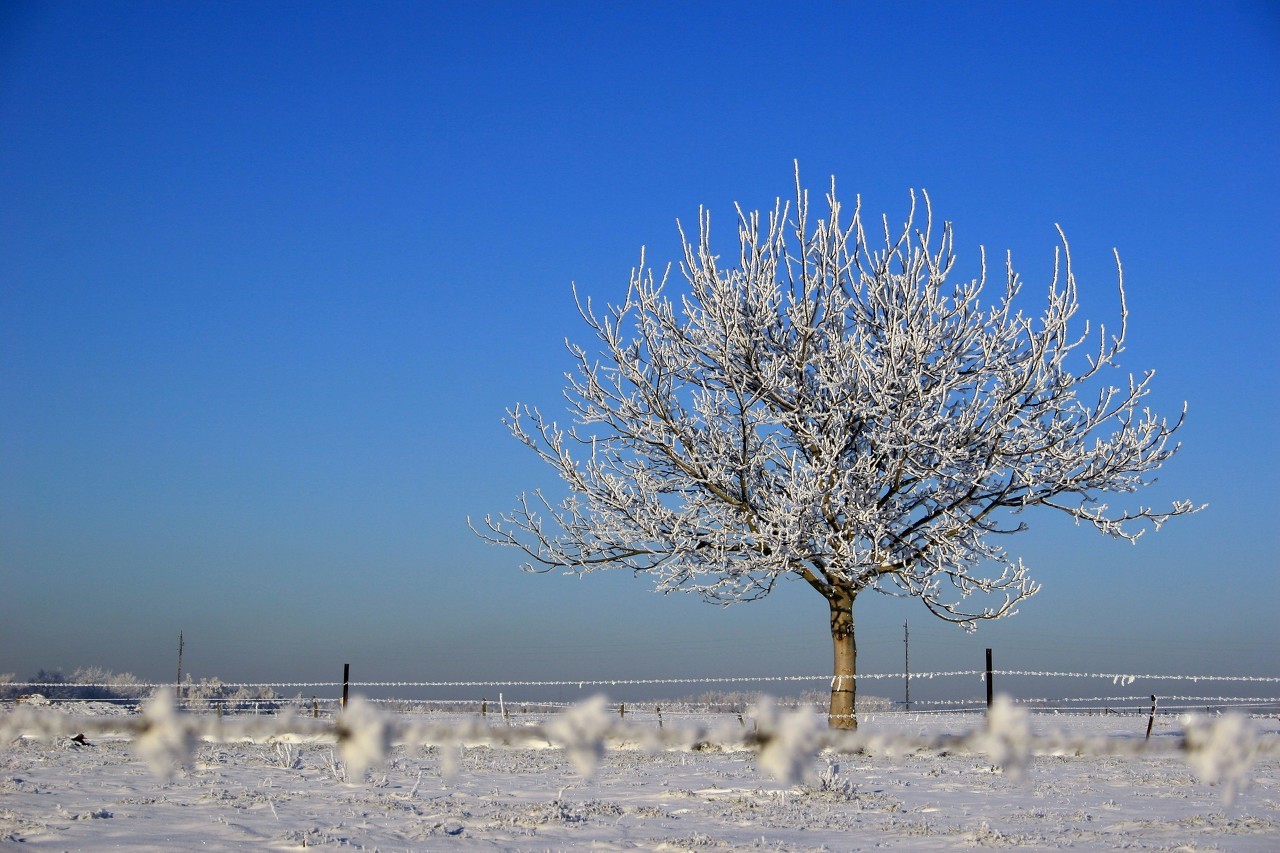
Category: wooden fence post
[346,683]
[1151,721]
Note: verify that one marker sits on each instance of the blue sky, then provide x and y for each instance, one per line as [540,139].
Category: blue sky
[271,273]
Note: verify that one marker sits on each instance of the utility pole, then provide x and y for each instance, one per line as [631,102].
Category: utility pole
[906,642]
[178,687]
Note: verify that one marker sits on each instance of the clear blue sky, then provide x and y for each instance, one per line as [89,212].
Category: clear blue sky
[271,272]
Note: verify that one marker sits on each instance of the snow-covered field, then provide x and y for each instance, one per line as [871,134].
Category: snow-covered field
[63,794]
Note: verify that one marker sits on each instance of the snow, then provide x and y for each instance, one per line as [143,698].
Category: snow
[363,791]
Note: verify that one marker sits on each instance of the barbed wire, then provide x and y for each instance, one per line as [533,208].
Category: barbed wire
[1047,700]
[1118,678]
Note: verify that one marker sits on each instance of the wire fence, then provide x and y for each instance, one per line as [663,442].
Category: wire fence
[265,697]
[1220,735]
[981,675]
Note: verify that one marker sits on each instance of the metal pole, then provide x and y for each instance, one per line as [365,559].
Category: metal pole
[990,686]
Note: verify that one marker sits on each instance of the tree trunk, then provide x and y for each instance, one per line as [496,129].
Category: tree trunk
[843,683]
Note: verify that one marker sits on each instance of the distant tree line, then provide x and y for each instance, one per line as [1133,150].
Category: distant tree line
[94,684]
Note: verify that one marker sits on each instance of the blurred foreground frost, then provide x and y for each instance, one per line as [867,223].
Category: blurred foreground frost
[1221,751]
[1007,738]
[165,743]
[364,734]
[788,742]
[581,730]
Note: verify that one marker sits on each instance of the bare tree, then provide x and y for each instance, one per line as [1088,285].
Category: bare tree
[838,412]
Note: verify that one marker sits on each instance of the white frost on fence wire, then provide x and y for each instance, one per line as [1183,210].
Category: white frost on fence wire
[1126,679]
[1141,700]
[1115,678]
[1221,750]
[573,682]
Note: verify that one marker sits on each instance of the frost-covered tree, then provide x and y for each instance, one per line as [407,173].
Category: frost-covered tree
[838,412]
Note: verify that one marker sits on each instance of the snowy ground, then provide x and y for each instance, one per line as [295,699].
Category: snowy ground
[68,795]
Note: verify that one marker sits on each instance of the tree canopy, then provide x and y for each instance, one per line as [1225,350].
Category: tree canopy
[840,410]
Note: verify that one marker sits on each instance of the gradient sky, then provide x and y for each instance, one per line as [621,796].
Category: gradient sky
[270,273]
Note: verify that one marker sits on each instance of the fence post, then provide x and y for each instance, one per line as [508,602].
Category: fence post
[990,686]
[346,682]
[1151,721]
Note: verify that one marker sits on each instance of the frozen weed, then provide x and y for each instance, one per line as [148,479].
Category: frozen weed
[288,756]
[337,769]
[830,782]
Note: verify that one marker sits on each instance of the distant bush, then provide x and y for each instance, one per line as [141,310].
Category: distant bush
[95,684]
[85,683]
[209,694]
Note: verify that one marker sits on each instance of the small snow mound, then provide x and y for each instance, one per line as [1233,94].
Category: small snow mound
[99,814]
